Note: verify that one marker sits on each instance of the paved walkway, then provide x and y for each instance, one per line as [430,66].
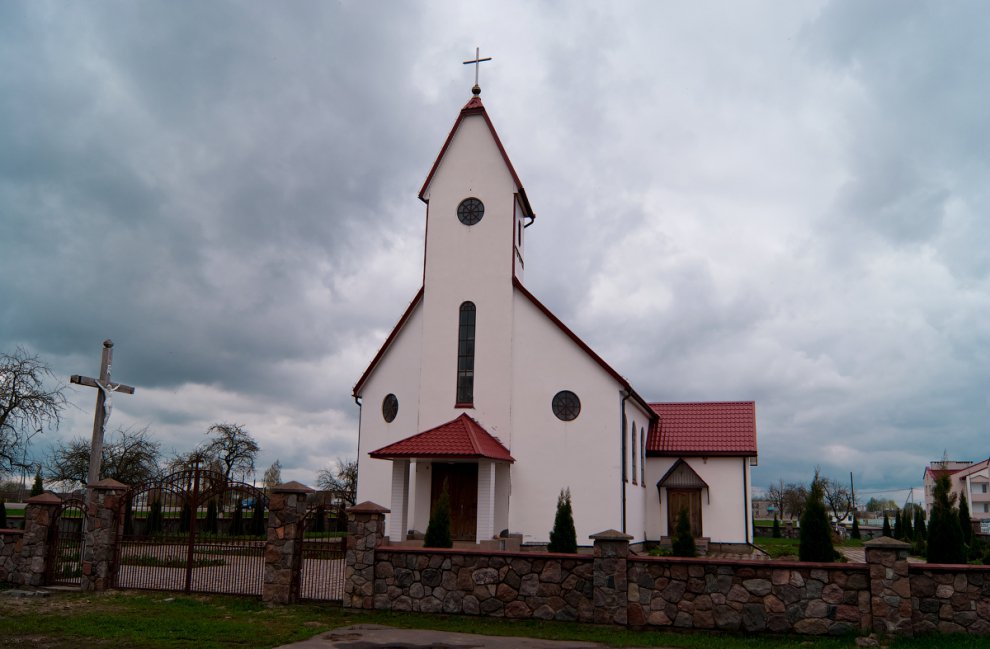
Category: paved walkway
[374,636]
[858,555]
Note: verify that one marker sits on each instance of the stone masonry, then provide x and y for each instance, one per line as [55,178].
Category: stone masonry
[11,542]
[365,532]
[100,534]
[950,599]
[38,519]
[890,585]
[283,551]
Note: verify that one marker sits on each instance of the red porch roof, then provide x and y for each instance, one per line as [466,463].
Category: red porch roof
[459,438]
[716,428]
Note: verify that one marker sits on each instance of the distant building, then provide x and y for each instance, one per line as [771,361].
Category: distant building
[764,509]
[966,478]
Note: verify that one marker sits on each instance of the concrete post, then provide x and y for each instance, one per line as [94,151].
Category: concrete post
[39,515]
[610,577]
[365,532]
[890,585]
[103,505]
[283,549]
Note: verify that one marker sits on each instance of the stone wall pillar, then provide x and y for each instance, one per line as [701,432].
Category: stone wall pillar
[610,580]
[283,549]
[365,532]
[39,516]
[890,585]
[103,506]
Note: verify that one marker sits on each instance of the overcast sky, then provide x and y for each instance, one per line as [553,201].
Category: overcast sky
[784,202]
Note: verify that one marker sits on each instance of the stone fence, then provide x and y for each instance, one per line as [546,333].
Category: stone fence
[611,586]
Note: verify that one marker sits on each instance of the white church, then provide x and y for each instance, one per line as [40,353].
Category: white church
[480,387]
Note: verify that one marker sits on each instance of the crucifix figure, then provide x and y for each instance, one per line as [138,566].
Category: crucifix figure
[103,406]
[477,63]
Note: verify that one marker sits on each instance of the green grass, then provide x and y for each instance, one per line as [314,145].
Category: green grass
[169,621]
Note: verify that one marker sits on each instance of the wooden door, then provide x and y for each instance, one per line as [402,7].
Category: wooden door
[462,488]
[689,499]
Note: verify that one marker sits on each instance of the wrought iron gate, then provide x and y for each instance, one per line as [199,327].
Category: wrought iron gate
[324,544]
[64,565]
[193,531]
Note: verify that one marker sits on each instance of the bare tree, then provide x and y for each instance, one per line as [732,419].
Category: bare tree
[775,494]
[233,447]
[837,496]
[795,497]
[28,405]
[129,456]
[340,480]
[273,475]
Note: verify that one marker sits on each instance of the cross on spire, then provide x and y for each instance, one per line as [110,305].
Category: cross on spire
[476,62]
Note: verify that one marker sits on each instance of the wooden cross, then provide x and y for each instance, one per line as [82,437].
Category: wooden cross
[477,64]
[103,406]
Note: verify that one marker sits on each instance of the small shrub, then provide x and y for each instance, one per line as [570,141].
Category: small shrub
[776,527]
[886,526]
[211,518]
[258,526]
[563,537]
[438,531]
[683,544]
[816,532]
[237,521]
[854,533]
[155,521]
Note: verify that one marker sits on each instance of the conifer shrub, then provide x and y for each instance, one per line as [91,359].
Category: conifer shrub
[920,529]
[816,532]
[899,525]
[776,527]
[855,533]
[258,526]
[38,487]
[185,518]
[563,537]
[210,524]
[906,527]
[886,526]
[237,519]
[945,536]
[155,519]
[320,524]
[683,543]
[965,522]
[438,531]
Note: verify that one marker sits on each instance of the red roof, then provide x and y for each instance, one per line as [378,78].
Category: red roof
[717,428]
[460,438]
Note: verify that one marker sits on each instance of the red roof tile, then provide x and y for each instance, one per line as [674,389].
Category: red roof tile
[460,438]
[718,428]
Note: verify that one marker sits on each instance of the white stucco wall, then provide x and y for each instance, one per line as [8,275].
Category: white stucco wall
[398,372]
[725,507]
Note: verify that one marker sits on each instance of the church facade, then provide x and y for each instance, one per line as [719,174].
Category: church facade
[482,391]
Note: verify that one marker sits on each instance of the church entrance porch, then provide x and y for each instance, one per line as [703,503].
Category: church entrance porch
[461,484]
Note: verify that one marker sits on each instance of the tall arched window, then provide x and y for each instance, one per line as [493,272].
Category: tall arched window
[465,355]
[642,456]
[635,453]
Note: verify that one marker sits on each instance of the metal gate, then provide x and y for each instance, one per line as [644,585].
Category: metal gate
[324,544]
[64,565]
[193,531]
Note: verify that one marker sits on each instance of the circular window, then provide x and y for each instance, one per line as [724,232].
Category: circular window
[470,211]
[390,407]
[566,405]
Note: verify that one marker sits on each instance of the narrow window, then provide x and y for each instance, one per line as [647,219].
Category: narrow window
[634,451]
[625,470]
[465,355]
[642,457]
[519,232]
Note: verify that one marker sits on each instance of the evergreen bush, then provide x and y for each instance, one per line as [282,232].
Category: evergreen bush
[855,533]
[886,526]
[563,537]
[906,528]
[683,544]
[899,525]
[185,518]
[237,520]
[258,527]
[945,536]
[776,527]
[438,531]
[155,519]
[320,525]
[816,532]
[964,520]
[920,529]
[211,518]
[38,487]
